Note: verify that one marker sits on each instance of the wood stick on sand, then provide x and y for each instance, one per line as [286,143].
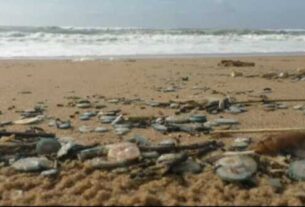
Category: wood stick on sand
[256,130]
[26,134]
[271,100]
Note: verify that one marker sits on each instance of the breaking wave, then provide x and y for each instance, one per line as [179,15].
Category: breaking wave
[84,42]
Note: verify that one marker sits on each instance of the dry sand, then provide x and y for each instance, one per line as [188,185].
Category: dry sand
[50,81]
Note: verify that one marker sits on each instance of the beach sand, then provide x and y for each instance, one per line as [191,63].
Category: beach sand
[25,83]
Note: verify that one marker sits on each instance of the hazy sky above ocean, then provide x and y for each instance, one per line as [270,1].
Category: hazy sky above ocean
[271,14]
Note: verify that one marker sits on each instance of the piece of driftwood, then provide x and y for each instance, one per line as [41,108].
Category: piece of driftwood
[17,148]
[26,134]
[257,130]
[271,100]
[277,143]
[236,63]
[204,151]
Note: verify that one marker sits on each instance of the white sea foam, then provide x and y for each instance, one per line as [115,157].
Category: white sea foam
[42,42]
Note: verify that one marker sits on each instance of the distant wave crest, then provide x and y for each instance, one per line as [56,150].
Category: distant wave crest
[101,30]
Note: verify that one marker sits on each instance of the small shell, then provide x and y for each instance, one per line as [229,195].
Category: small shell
[169,89]
[63,125]
[64,150]
[84,117]
[177,119]
[298,107]
[168,142]
[101,129]
[52,123]
[174,105]
[160,128]
[236,168]
[171,159]
[198,118]
[47,146]
[282,106]
[32,164]
[109,113]
[154,104]
[85,129]
[83,101]
[241,142]
[29,120]
[139,140]
[92,152]
[90,113]
[297,170]
[187,166]
[107,119]
[123,125]
[83,105]
[49,173]
[235,109]
[122,130]
[114,101]
[283,75]
[236,74]
[123,151]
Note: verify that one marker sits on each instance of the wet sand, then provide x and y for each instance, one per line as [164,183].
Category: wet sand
[24,83]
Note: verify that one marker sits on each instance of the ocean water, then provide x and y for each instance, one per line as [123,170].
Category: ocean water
[67,42]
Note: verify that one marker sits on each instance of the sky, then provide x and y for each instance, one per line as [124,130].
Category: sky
[261,14]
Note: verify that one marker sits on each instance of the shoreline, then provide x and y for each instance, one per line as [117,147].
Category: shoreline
[162,56]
